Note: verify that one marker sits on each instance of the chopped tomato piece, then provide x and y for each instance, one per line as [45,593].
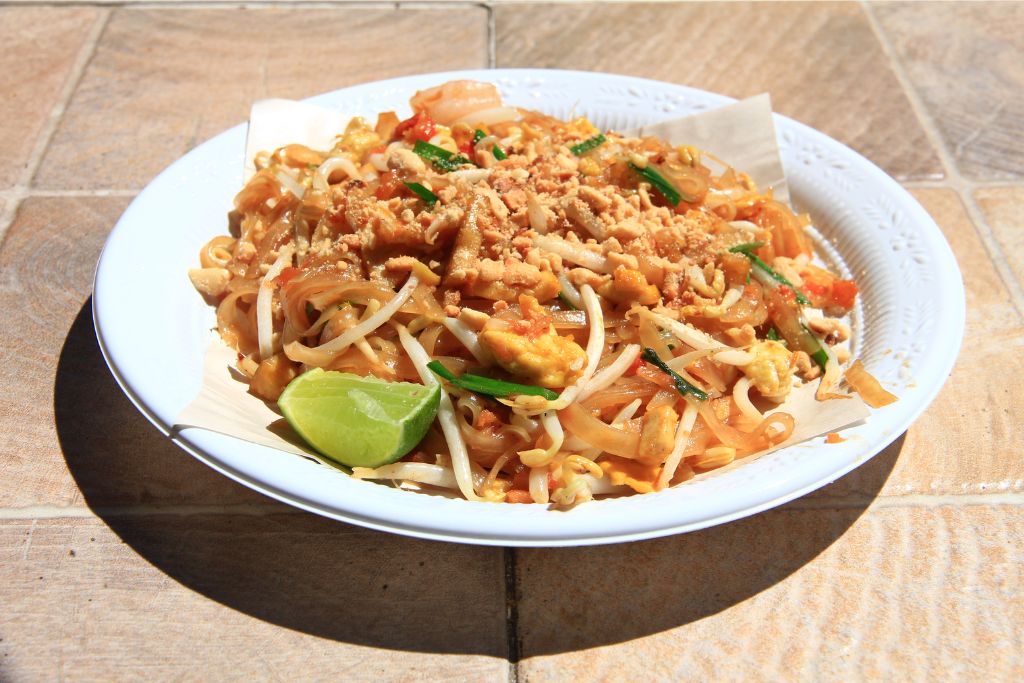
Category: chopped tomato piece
[844,293]
[390,185]
[286,275]
[417,127]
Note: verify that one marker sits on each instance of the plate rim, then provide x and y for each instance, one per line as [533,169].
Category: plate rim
[957,313]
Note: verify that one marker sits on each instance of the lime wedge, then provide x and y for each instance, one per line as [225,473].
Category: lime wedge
[359,421]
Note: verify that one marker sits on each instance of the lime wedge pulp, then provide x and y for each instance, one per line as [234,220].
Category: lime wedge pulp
[359,421]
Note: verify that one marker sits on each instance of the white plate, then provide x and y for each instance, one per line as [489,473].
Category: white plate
[153,327]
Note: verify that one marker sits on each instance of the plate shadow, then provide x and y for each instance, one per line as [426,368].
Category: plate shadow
[348,584]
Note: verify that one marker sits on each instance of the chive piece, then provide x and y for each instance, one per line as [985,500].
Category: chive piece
[587,145]
[422,192]
[565,301]
[819,355]
[747,246]
[441,158]
[773,334]
[498,153]
[667,190]
[745,249]
[487,385]
[682,386]
[478,136]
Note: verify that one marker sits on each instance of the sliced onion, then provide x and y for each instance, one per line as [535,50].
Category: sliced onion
[597,434]
[615,370]
[290,184]
[304,354]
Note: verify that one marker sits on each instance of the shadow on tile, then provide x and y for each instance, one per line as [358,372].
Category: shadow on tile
[579,598]
[288,568]
[348,584]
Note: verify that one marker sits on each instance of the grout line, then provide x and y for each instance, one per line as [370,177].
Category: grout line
[21,190]
[492,37]
[916,500]
[512,615]
[964,187]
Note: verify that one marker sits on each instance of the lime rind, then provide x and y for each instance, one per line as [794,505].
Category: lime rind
[359,421]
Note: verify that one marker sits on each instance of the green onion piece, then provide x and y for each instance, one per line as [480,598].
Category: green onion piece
[431,152]
[682,386]
[813,347]
[423,193]
[667,190]
[587,145]
[773,334]
[478,136]
[498,153]
[745,249]
[747,246]
[487,385]
[565,301]
[441,158]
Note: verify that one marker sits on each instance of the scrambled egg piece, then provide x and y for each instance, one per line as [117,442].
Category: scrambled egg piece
[635,475]
[532,350]
[771,372]
[629,286]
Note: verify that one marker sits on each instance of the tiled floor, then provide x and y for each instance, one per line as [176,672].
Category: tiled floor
[122,558]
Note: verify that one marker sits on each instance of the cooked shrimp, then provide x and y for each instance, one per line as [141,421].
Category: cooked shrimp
[449,102]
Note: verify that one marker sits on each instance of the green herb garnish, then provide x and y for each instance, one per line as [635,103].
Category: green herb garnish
[487,385]
[478,136]
[682,386]
[442,159]
[818,355]
[658,181]
[498,153]
[587,145]
[422,192]
[766,270]
[773,334]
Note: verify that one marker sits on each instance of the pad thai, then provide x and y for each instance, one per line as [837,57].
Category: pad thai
[607,315]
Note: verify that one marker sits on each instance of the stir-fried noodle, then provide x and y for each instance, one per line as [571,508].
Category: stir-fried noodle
[655,292]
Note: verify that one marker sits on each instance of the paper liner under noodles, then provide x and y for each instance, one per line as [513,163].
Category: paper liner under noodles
[742,134]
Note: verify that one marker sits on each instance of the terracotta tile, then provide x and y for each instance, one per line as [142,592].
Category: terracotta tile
[1002,209]
[965,441]
[163,81]
[970,78]
[68,430]
[898,594]
[227,598]
[820,62]
[40,47]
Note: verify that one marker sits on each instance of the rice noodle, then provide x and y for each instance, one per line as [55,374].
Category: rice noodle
[290,184]
[742,398]
[697,339]
[627,412]
[445,414]
[265,301]
[469,339]
[304,354]
[321,179]
[616,369]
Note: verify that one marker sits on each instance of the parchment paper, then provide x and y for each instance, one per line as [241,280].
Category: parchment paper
[741,134]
